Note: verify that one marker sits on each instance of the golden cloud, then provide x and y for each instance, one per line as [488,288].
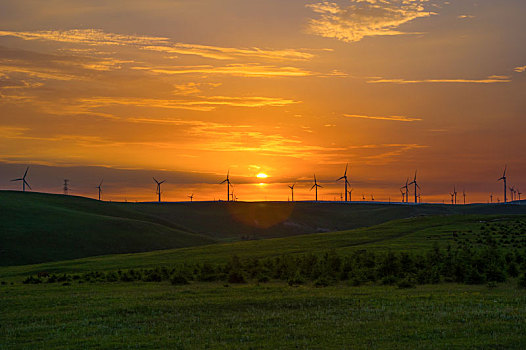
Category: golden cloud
[364,18]
[391,118]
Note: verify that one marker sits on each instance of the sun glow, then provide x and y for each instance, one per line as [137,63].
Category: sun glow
[261,176]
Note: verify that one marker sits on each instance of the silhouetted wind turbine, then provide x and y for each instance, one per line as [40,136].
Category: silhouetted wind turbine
[403,193]
[372,198]
[158,190]
[292,191]
[24,182]
[350,194]
[315,186]
[406,187]
[491,198]
[100,188]
[512,191]
[191,197]
[519,193]
[344,177]
[503,178]
[455,193]
[363,196]
[416,186]
[66,186]
[464,195]
[452,197]
[227,180]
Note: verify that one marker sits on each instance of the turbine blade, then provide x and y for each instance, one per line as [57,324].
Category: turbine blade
[27,184]
[345,174]
[26,171]
[17,179]
[154,179]
[312,187]
[341,178]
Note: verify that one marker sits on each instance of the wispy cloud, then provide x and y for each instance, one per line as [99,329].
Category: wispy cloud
[244,70]
[200,104]
[489,80]
[97,37]
[362,18]
[391,118]
[521,69]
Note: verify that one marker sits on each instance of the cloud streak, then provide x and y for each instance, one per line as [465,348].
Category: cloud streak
[364,18]
[97,37]
[390,118]
[242,70]
[494,79]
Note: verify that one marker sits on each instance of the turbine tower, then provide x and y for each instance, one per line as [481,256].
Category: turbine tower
[292,191]
[406,192]
[403,194]
[503,178]
[344,177]
[416,186]
[24,182]
[315,186]
[191,197]
[100,188]
[464,195]
[158,190]
[227,180]
[66,186]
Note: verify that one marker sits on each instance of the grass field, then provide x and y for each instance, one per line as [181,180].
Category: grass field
[273,315]
[266,316]
[415,234]
[40,227]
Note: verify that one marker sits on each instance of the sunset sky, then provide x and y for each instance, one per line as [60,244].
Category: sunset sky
[186,90]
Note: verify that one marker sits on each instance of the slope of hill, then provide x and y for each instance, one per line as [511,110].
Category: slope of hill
[414,234]
[37,227]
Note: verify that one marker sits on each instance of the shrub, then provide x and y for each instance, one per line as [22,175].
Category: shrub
[236,277]
[406,283]
[522,281]
[178,279]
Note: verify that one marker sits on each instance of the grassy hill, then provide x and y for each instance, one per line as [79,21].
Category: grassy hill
[37,227]
[413,234]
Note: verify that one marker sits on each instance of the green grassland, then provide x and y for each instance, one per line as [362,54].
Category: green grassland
[37,227]
[269,316]
[103,313]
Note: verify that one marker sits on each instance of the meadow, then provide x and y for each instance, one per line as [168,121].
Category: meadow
[445,278]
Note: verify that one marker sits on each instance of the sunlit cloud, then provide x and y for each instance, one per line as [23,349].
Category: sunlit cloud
[521,69]
[363,18]
[489,80]
[466,17]
[97,37]
[203,104]
[243,70]
[391,118]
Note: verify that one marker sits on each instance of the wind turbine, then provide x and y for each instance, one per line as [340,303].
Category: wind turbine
[519,193]
[191,197]
[315,186]
[464,194]
[512,191]
[100,188]
[455,194]
[344,177]
[491,198]
[24,182]
[406,187]
[158,190]
[227,180]
[416,186]
[503,178]
[66,186]
[292,190]
[350,194]
[403,194]
[372,198]
[452,197]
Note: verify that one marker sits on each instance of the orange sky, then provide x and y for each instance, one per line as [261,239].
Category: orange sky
[187,90]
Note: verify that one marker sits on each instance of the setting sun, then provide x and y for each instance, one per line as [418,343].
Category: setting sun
[261,176]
